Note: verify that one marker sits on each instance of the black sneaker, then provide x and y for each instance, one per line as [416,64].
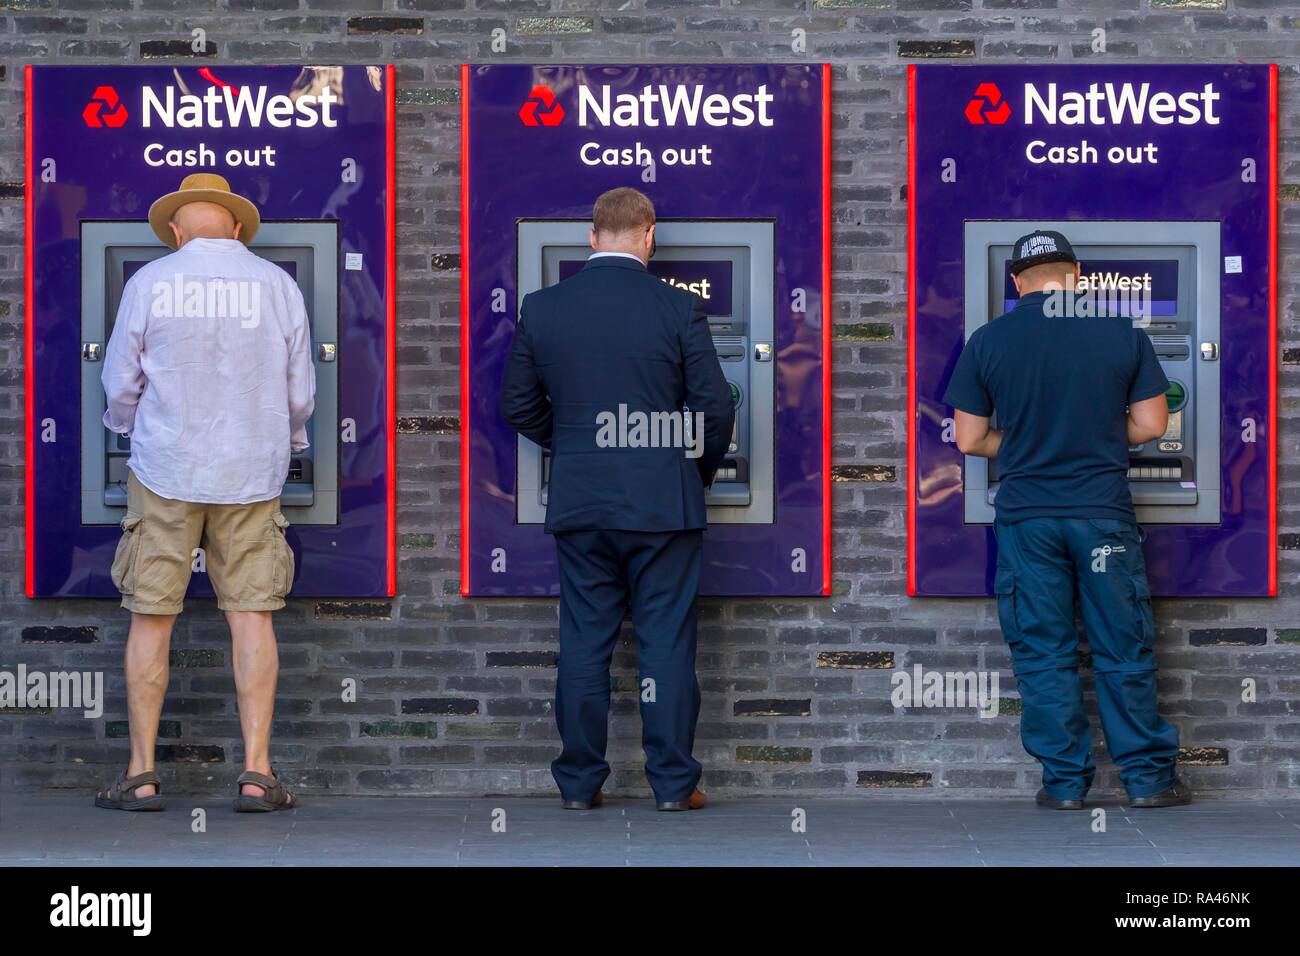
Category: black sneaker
[1177,795]
[1051,803]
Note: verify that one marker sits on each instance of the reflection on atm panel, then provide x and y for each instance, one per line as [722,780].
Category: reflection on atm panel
[1175,479]
[112,252]
[729,265]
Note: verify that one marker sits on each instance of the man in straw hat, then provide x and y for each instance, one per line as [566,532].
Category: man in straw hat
[209,371]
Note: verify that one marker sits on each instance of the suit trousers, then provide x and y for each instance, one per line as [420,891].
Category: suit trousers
[603,575]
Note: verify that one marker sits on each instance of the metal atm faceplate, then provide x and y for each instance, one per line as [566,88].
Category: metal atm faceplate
[1175,479]
[717,259]
[111,253]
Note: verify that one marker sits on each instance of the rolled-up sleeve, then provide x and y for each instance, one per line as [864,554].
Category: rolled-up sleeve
[124,379]
[302,373]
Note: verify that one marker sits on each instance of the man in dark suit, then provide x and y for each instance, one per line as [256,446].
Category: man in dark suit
[615,372]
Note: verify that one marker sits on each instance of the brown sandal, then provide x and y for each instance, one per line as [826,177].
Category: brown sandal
[275,796]
[116,797]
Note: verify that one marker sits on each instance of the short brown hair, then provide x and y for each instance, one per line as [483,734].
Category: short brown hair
[622,210]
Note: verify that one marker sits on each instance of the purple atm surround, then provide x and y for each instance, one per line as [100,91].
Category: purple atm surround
[87,122]
[520,139]
[974,116]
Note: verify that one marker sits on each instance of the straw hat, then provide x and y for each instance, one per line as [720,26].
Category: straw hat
[203,187]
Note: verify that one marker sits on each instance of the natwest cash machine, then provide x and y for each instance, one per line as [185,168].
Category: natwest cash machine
[312,147]
[1163,178]
[735,159]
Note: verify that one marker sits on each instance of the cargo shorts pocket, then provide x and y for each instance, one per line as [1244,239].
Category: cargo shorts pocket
[282,577]
[1004,586]
[126,557]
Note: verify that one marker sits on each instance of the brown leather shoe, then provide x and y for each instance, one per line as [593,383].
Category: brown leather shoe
[696,801]
[591,804]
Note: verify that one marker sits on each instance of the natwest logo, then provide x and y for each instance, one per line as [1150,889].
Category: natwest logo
[1117,103]
[665,105]
[104,109]
[224,106]
[541,108]
[988,106]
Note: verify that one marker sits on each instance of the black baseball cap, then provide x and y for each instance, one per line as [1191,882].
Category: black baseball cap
[1040,246]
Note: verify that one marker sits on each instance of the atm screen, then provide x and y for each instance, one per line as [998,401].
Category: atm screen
[710,279]
[1155,280]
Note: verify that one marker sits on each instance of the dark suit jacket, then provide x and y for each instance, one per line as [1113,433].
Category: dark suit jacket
[614,335]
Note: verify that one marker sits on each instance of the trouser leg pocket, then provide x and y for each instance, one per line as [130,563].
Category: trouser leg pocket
[282,577]
[125,558]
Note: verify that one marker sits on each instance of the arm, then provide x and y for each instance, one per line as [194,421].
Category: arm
[975,437]
[707,394]
[1148,412]
[1147,419]
[971,403]
[302,373]
[123,378]
[523,402]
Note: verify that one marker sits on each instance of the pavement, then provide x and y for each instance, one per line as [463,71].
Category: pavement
[64,829]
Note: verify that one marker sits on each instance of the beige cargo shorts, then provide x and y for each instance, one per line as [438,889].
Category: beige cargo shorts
[244,552]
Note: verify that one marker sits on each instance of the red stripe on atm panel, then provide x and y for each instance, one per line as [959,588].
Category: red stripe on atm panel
[464,331]
[1272,328]
[29,338]
[828,314]
[390,295]
[912,484]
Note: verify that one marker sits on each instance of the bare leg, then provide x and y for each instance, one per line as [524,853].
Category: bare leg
[147,647]
[257,666]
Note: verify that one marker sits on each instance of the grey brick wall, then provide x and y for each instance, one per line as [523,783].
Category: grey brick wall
[454,696]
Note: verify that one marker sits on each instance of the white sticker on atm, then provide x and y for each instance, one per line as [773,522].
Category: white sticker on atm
[352,261]
[1232,264]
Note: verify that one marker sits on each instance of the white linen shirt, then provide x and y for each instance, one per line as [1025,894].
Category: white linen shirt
[209,371]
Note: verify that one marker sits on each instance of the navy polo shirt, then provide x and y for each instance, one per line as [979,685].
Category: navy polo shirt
[1061,387]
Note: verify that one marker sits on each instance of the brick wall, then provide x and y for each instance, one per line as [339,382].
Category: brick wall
[454,696]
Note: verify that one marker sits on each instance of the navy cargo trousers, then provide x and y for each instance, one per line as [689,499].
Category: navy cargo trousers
[1043,565]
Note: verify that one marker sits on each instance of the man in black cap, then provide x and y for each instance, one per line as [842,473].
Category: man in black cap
[1072,394]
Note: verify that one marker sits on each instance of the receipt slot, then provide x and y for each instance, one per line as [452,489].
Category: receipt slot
[729,266]
[111,252]
[1167,270]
